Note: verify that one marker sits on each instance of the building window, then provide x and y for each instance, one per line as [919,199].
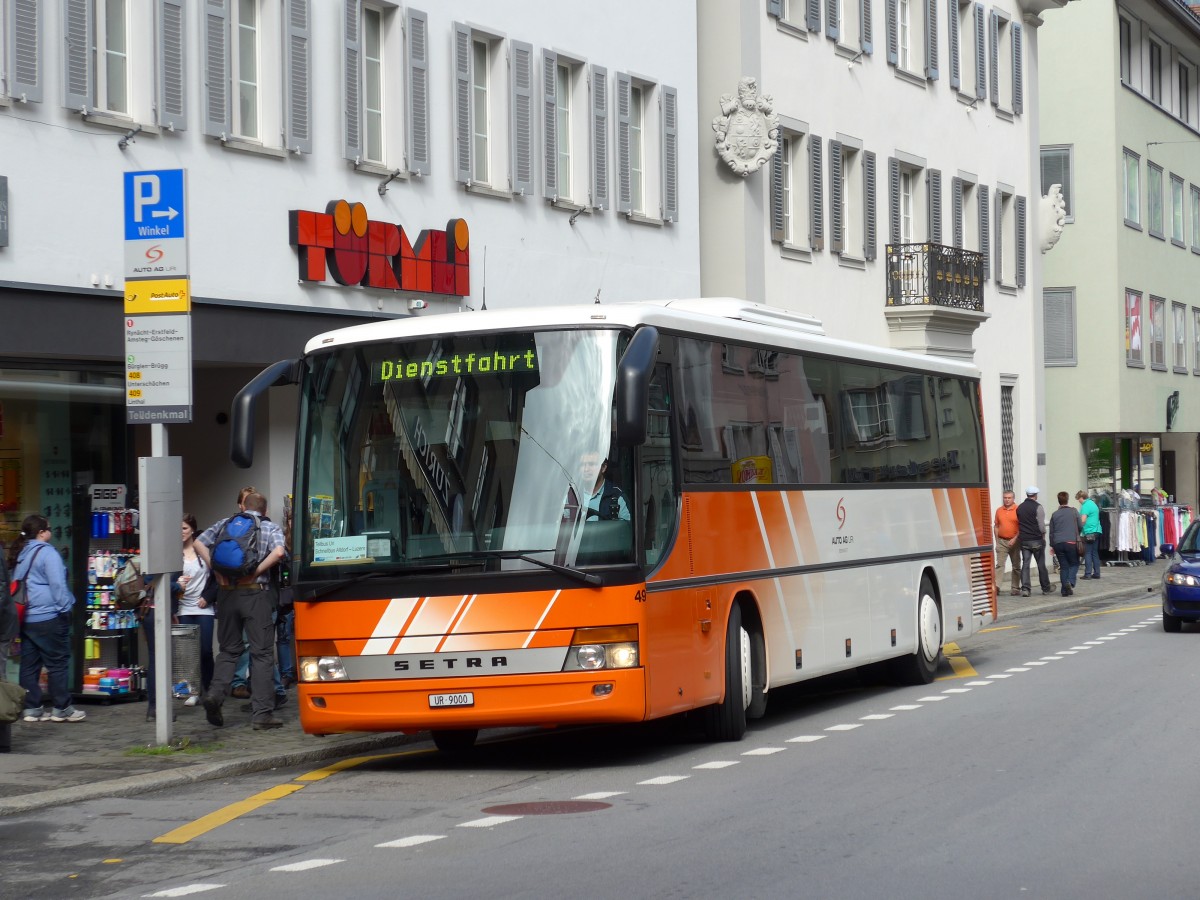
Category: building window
[1155,92]
[1008,437]
[1058,168]
[1126,51]
[245,69]
[968,49]
[1005,61]
[904,30]
[1195,341]
[647,149]
[966,225]
[480,113]
[565,127]
[1195,196]
[1058,310]
[1179,317]
[1133,328]
[1009,261]
[1158,333]
[1133,206]
[851,200]
[911,37]
[1187,79]
[1177,211]
[1154,199]
[907,179]
[790,191]
[373,81]
[96,58]
[850,24]
[562,124]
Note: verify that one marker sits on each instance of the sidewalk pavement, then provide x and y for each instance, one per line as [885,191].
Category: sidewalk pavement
[55,764]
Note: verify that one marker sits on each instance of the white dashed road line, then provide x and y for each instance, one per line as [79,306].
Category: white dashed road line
[665,779]
[413,840]
[849,726]
[305,865]
[185,890]
[763,751]
[806,739]
[488,822]
[717,764]
[599,795]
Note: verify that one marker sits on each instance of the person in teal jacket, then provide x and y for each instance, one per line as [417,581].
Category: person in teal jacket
[1089,527]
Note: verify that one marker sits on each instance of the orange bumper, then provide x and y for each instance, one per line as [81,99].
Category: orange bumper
[568,698]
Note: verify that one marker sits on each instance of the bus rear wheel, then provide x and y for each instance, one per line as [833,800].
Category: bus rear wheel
[920,667]
[455,741]
[726,721]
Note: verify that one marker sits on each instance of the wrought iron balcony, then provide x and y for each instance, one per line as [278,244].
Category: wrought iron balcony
[934,275]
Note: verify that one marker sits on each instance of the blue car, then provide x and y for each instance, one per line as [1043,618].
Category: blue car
[1181,582]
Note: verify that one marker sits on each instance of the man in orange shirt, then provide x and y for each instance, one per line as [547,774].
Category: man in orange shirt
[1007,545]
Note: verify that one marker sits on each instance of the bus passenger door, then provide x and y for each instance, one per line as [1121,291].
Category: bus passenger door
[677,624]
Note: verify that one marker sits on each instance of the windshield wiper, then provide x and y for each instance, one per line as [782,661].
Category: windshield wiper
[585,577]
[331,586]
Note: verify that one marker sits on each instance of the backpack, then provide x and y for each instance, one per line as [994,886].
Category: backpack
[235,552]
[17,597]
[129,587]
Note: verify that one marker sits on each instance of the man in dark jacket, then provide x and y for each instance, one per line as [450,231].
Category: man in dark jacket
[1031,529]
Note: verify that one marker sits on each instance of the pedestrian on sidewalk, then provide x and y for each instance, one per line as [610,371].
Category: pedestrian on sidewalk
[1031,528]
[245,603]
[1006,530]
[1064,538]
[1089,520]
[197,595]
[45,633]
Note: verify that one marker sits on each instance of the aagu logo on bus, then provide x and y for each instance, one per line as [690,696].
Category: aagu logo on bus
[841,517]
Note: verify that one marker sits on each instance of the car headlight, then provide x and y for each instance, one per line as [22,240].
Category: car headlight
[1182,578]
[322,668]
[603,648]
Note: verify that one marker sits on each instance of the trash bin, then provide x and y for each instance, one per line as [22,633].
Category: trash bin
[185,660]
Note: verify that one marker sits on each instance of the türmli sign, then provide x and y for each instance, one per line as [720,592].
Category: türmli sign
[344,244]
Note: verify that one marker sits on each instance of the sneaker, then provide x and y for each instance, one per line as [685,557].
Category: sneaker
[1014,593]
[212,711]
[75,715]
[241,692]
[191,701]
[280,700]
[36,715]
[1024,593]
[264,724]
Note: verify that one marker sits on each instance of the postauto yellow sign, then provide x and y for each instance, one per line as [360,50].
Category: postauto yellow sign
[168,295]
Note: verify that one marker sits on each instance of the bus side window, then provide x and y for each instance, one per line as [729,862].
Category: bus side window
[656,485]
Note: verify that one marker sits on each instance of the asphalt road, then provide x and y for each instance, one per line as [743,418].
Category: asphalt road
[1057,768]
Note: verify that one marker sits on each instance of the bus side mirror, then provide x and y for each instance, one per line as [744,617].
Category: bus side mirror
[241,432]
[633,386]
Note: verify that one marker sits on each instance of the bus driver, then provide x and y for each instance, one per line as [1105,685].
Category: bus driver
[606,501]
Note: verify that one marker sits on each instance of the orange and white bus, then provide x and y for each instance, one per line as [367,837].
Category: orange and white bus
[616,513]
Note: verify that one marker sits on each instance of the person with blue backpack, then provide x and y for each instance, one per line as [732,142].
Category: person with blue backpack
[241,551]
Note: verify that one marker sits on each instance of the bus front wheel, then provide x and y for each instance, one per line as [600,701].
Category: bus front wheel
[726,721]
[920,667]
[455,741]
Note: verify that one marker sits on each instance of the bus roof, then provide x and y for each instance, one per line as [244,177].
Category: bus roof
[719,318]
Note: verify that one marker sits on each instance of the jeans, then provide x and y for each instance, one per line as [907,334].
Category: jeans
[46,644]
[1068,562]
[1091,557]
[283,643]
[207,625]
[1036,550]
[246,611]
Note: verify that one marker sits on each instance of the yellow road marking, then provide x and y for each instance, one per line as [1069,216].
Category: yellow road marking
[1107,612]
[958,662]
[227,814]
[998,628]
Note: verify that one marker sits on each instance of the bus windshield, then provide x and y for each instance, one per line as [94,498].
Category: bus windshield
[458,452]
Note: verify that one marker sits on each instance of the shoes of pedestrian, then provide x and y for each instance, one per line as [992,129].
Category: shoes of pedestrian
[36,715]
[1015,593]
[241,692]
[1024,593]
[287,681]
[264,724]
[212,711]
[62,715]
[1048,590]
[280,699]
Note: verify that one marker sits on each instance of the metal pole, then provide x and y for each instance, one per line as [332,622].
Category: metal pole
[164,705]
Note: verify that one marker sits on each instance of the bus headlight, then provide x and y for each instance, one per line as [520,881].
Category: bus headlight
[322,668]
[603,648]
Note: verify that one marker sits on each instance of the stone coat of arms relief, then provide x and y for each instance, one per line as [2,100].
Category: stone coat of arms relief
[747,129]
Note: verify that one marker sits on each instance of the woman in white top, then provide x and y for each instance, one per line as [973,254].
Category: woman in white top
[194,608]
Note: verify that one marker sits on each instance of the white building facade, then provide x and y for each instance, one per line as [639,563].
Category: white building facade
[905,125]
[345,160]
[1122,129]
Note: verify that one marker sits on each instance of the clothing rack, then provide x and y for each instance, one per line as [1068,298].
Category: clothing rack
[1133,535]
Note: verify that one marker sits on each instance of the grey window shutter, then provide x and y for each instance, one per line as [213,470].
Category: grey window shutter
[1059,318]
[25,28]
[624,187]
[1018,73]
[870,228]
[956,193]
[994,56]
[984,222]
[218,115]
[931,40]
[980,54]
[416,42]
[933,185]
[775,8]
[462,103]
[866,41]
[170,26]
[894,201]
[955,45]
[1019,205]
[816,210]
[522,118]
[549,124]
[893,33]
[837,232]
[78,79]
[812,15]
[670,154]
[352,113]
[298,69]
[599,137]
[778,213]
[832,25]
